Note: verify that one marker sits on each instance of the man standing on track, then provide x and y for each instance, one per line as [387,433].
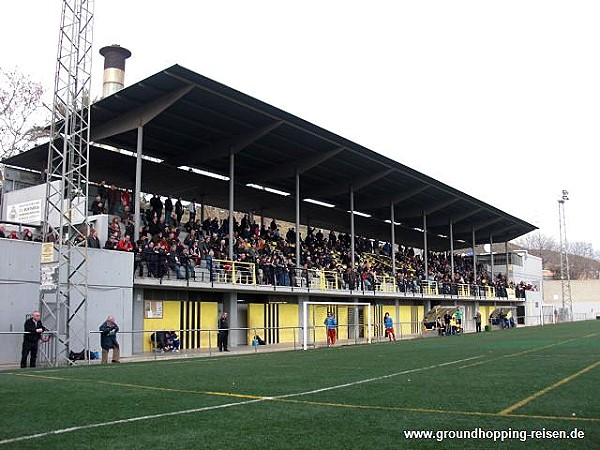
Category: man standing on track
[33,333]
[223,333]
[108,340]
[330,325]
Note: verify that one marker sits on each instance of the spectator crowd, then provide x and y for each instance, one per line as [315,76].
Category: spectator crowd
[167,245]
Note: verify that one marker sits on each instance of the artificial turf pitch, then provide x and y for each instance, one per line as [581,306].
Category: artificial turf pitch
[542,379]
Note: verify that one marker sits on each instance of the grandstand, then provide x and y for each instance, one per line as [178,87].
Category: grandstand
[370,229]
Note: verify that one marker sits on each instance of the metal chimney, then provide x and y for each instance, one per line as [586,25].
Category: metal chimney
[114,68]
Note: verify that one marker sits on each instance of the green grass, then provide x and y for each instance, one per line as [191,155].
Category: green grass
[182,404]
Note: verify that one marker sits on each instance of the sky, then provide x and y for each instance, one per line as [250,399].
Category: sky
[499,99]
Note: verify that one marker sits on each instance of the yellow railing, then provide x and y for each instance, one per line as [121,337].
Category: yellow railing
[387,284]
[430,288]
[323,279]
[463,290]
[489,291]
[233,272]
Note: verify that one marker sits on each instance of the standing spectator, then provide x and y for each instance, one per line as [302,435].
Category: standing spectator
[113,199]
[448,328]
[126,199]
[477,322]
[108,340]
[103,192]
[98,206]
[223,334]
[330,325]
[157,206]
[192,211]
[178,211]
[389,327]
[33,333]
[168,211]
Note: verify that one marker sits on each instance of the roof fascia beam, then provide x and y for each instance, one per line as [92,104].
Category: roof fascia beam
[455,219]
[356,185]
[418,212]
[477,226]
[139,116]
[398,198]
[226,147]
[288,170]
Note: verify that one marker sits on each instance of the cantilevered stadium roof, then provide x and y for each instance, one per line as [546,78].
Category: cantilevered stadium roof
[191,121]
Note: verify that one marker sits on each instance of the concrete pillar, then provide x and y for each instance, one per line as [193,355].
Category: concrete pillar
[137,321]
[230,305]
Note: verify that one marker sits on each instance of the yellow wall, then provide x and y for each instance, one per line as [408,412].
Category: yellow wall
[283,314]
[207,312]
[288,317]
[169,321]
[318,313]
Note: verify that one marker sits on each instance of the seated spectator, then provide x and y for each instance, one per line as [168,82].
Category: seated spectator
[13,235]
[2,235]
[27,235]
[159,339]
[187,263]
[93,241]
[111,242]
[174,263]
[125,244]
[114,227]
[173,341]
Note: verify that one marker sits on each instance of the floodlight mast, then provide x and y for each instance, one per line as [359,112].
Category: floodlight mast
[65,215]
[565,277]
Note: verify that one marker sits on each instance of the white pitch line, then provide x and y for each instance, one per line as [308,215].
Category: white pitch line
[121,421]
[369,380]
[226,405]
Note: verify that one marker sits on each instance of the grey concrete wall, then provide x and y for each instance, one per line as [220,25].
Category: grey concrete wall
[19,292]
[110,292]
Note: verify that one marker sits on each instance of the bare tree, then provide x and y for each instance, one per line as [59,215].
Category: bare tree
[539,244]
[21,112]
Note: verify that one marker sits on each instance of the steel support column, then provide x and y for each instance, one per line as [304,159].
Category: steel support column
[138,184]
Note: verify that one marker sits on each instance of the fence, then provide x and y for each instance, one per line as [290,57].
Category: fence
[196,342]
[217,271]
[12,342]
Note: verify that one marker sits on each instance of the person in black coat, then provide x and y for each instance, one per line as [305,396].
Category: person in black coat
[33,333]
[223,334]
[108,340]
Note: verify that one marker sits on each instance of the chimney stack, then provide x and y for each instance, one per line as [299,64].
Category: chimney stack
[114,68]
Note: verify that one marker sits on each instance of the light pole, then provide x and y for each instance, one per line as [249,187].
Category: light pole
[565,277]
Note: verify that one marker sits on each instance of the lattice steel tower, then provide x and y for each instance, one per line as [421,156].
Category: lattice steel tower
[65,219]
[565,276]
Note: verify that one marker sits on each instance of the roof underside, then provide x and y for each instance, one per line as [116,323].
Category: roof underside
[190,120]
